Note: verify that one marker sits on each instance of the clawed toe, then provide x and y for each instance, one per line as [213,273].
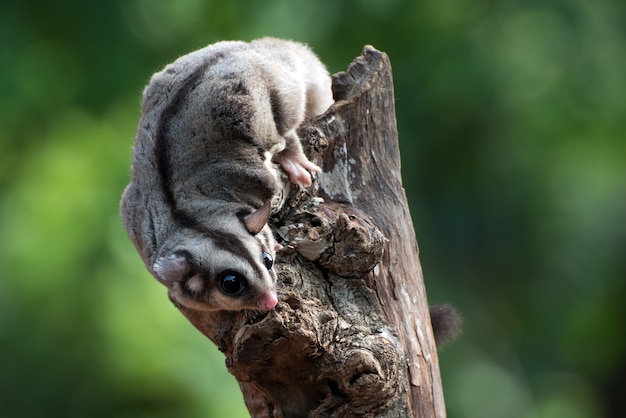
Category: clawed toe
[296,167]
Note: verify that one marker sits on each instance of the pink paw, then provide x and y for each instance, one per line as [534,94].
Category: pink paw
[296,167]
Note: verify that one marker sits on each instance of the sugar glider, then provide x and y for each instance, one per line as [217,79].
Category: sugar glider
[213,124]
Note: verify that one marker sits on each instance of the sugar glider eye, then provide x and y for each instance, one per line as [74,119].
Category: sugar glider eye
[268,261]
[231,283]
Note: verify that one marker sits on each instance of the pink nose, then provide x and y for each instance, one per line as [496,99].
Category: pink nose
[267,301]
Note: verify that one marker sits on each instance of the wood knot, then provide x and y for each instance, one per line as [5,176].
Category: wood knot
[364,379]
[342,239]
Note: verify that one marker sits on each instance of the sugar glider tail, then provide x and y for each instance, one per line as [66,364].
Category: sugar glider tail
[447,323]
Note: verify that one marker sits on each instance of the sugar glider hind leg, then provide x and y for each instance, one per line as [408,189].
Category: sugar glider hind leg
[302,93]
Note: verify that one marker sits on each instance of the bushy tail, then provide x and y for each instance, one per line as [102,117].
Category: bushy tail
[446,322]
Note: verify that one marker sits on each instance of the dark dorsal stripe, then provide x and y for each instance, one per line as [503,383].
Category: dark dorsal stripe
[229,242]
[277,112]
[223,240]
[162,147]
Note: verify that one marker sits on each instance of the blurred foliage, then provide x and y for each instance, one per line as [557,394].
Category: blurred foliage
[512,119]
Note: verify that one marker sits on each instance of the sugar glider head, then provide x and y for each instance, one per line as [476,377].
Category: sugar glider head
[230,268]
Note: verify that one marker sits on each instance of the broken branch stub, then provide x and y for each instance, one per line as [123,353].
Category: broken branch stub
[351,333]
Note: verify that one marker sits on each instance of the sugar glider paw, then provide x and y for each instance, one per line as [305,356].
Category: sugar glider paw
[296,167]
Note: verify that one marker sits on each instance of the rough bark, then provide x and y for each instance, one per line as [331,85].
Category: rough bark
[351,335]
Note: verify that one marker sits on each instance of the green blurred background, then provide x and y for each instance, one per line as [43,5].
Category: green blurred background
[512,120]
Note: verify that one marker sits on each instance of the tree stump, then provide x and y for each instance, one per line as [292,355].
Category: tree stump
[351,335]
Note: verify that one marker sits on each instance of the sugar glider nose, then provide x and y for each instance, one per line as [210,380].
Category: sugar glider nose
[267,301]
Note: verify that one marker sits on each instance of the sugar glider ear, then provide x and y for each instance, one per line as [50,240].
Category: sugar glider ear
[255,221]
[173,268]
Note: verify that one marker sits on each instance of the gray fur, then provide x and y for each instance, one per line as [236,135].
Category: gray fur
[213,122]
